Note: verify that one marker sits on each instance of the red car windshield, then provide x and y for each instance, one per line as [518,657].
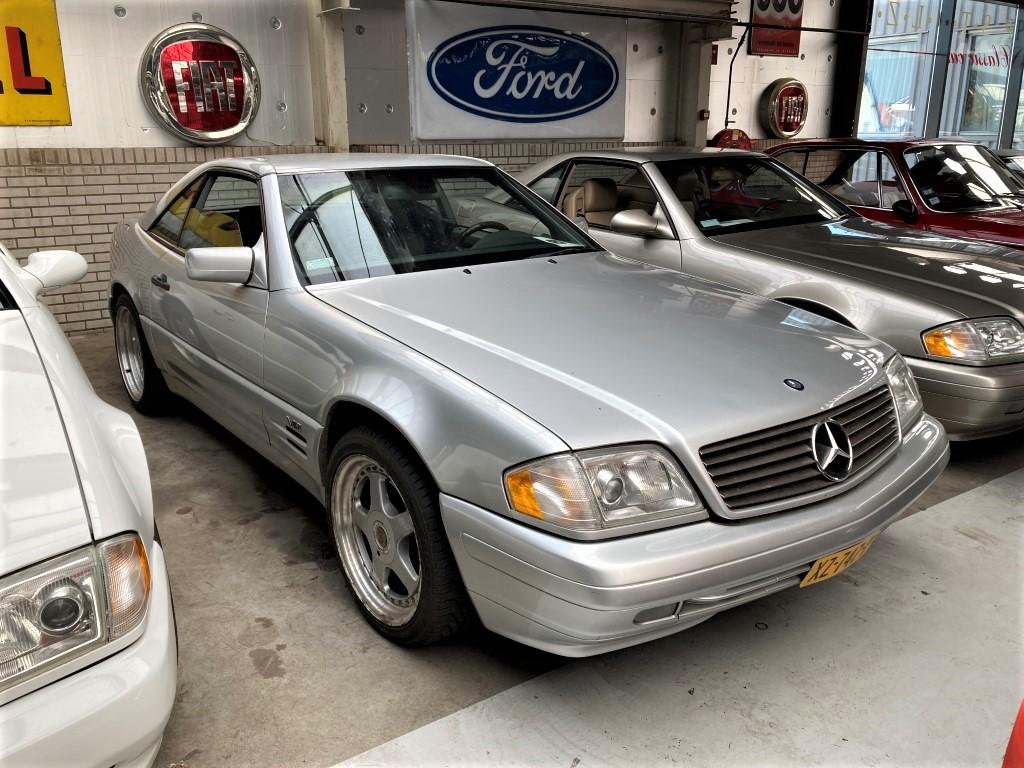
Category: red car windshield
[962,177]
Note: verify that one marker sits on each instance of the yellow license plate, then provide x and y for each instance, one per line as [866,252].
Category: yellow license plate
[826,567]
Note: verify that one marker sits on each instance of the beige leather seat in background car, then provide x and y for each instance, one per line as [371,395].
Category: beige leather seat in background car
[596,201]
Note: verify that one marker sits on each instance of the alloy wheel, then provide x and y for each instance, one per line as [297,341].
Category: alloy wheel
[129,352]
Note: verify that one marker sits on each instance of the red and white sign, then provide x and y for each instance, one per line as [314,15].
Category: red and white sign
[783,108]
[779,13]
[200,83]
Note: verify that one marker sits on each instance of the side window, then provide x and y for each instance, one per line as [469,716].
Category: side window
[226,214]
[795,160]
[547,185]
[597,191]
[891,187]
[168,226]
[849,174]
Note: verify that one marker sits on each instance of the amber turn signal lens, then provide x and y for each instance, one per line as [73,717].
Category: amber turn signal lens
[128,580]
[949,342]
[521,495]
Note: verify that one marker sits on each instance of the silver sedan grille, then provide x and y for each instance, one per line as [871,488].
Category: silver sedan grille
[774,466]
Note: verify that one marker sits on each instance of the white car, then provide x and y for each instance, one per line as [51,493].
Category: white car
[88,654]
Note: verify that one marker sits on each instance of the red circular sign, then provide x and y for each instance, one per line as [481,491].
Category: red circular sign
[731,138]
[200,82]
[783,108]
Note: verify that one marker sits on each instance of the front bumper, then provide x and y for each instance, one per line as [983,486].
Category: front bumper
[972,402]
[110,714]
[577,598]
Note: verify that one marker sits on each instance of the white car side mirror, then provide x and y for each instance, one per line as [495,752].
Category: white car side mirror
[220,264]
[52,269]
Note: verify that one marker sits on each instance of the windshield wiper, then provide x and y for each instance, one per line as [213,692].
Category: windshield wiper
[567,251]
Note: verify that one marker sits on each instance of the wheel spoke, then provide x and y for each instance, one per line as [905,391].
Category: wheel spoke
[404,571]
[401,527]
[380,571]
[378,491]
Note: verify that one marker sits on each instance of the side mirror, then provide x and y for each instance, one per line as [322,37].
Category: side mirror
[52,269]
[581,222]
[905,210]
[220,264]
[633,221]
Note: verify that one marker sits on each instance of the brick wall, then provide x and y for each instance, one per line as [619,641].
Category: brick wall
[73,198]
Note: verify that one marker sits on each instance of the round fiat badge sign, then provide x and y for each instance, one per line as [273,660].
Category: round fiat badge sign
[200,83]
[783,108]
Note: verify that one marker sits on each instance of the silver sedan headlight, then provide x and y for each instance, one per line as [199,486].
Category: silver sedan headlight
[904,391]
[603,488]
[62,608]
[977,341]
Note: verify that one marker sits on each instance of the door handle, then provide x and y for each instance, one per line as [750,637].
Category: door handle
[160,281]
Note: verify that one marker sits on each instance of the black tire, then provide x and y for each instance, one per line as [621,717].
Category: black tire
[155,398]
[443,608]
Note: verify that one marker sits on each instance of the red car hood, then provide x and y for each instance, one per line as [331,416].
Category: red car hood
[1003,225]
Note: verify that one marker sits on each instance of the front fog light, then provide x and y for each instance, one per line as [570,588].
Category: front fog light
[603,488]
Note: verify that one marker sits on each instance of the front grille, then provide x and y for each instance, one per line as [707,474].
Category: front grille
[776,465]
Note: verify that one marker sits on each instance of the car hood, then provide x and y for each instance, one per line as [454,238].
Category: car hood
[971,278]
[42,513]
[603,350]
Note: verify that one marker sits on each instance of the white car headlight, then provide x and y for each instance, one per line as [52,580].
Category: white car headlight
[603,488]
[60,609]
[978,341]
[904,391]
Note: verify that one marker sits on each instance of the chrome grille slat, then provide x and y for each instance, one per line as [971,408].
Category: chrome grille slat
[775,465]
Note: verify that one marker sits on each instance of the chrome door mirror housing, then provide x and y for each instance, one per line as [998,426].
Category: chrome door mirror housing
[52,269]
[220,264]
[633,221]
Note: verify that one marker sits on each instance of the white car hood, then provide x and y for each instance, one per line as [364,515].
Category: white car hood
[42,513]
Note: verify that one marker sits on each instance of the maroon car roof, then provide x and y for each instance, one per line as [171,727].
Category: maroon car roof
[895,144]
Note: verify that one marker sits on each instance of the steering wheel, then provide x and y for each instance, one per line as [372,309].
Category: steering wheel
[770,201]
[478,227]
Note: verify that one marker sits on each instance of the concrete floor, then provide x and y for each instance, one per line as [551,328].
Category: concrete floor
[277,667]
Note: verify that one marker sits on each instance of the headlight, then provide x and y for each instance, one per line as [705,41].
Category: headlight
[603,488]
[60,609]
[904,391]
[976,340]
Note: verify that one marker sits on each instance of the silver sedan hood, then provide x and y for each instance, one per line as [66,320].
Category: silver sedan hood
[41,509]
[603,350]
[971,277]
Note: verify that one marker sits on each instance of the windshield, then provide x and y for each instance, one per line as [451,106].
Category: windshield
[357,224]
[958,177]
[733,194]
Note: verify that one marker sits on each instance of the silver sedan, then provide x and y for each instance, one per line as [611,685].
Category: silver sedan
[954,308]
[503,419]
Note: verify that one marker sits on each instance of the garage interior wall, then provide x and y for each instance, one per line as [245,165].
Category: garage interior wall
[753,74]
[377,75]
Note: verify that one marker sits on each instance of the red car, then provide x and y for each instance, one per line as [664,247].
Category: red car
[945,186]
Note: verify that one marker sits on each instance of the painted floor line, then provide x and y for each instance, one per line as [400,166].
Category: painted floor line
[912,658]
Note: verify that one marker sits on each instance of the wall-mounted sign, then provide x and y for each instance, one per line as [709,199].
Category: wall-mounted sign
[523,74]
[475,75]
[783,108]
[32,86]
[200,83]
[776,42]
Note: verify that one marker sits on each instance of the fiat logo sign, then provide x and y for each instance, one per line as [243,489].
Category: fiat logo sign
[783,108]
[200,83]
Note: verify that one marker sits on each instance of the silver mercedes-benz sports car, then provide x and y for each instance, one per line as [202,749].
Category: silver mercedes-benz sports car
[501,418]
[953,308]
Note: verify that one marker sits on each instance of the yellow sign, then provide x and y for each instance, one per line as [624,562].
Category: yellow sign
[33,90]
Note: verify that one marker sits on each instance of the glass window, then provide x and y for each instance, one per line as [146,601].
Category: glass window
[889,182]
[957,177]
[898,70]
[732,194]
[345,226]
[849,174]
[795,159]
[227,214]
[597,191]
[979,66]
[547,185]
[168,226]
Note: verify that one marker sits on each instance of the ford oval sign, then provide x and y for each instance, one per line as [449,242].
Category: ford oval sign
[522,74]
